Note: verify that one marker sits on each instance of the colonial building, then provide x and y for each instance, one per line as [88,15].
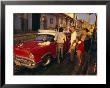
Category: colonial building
[22,22]
[32,22]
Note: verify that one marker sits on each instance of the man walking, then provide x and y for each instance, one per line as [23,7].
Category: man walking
[73,42]
[60,38]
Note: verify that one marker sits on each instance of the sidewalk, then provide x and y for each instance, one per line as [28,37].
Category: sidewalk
[22,35]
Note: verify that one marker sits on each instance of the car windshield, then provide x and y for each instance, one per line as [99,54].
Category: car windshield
[44,37]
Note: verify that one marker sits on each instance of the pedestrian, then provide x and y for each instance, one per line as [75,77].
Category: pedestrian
[60,38]
[80,49]
[56,28]
[72,42]
[87,40]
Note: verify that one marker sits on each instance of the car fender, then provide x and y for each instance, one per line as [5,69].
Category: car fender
[47,53]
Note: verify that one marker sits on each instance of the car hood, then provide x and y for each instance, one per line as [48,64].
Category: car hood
[31,46]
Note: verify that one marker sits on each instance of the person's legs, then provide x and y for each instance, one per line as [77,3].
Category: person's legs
[79,57]
[61,50]
[71,55]
[58,53]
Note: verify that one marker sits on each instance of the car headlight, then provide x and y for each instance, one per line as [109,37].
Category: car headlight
[20,44]
[31,56]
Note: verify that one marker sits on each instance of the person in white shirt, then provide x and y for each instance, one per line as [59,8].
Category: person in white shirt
[60,38]
[73,42]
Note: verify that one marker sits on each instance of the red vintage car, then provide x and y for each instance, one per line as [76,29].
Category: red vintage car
[40,51]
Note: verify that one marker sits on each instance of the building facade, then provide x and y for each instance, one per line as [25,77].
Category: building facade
[32,22]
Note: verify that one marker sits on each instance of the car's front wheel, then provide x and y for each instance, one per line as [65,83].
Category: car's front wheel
[46,61]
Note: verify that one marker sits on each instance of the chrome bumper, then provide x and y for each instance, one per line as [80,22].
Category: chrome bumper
[25,62]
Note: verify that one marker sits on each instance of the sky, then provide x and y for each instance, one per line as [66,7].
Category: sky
[85,17]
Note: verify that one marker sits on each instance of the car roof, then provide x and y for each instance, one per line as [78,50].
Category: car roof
[50,32]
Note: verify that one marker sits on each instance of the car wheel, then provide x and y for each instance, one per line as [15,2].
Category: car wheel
[46,60]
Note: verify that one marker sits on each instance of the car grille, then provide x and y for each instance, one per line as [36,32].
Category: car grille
[25,61]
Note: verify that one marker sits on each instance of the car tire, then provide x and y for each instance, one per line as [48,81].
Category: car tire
[46,61]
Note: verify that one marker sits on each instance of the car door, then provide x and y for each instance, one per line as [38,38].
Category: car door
[53,46]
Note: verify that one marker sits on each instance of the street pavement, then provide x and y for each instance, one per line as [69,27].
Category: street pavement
[64,68]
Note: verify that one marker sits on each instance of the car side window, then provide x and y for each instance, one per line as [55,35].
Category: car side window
[51,38]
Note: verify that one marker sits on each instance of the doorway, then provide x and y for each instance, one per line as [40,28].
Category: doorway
[35,21]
